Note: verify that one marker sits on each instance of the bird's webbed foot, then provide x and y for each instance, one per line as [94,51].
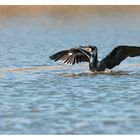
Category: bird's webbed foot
[108,71]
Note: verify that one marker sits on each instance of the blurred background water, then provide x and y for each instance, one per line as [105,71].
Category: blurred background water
[46,99]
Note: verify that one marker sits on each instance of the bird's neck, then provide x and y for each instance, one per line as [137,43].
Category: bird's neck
[93,63]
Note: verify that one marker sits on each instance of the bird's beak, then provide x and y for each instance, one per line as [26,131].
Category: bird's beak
[85,51]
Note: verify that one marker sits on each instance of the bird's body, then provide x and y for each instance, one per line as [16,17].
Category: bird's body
[90,54]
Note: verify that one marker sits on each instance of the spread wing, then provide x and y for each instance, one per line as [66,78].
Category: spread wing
[118,54]
[71,56]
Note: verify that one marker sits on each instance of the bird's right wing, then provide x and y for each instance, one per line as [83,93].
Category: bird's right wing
[71,56]
[118,54]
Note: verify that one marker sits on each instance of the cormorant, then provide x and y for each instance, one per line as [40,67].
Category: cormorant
[90,54]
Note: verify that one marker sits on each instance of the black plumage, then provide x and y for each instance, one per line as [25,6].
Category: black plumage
[90,54]
[71,56]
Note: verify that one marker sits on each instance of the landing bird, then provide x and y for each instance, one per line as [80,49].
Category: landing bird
[90,54]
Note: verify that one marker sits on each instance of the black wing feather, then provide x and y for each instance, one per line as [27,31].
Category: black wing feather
[71,56]
[118,54]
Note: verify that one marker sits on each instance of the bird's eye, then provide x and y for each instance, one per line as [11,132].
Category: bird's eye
[88,49]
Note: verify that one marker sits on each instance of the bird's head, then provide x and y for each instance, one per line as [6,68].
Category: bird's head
[89,50]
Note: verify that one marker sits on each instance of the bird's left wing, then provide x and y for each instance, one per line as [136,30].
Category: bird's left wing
[118,54]
[72,56]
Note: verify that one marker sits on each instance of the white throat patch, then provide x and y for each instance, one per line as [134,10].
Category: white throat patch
[70,53]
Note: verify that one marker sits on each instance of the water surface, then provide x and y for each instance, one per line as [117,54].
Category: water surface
[39,96]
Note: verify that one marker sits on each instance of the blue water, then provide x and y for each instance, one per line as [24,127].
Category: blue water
[46,99]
